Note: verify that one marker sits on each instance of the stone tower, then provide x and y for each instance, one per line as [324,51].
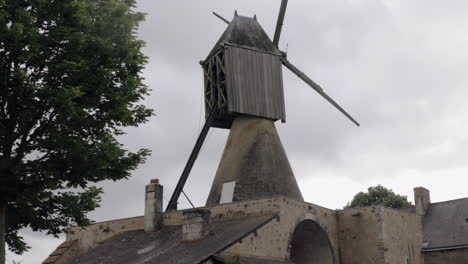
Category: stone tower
[254,164]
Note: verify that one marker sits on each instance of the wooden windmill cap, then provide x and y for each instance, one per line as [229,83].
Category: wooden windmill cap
[246,32]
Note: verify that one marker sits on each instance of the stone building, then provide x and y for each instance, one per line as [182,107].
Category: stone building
[275,229]
[445,229]
[255,211]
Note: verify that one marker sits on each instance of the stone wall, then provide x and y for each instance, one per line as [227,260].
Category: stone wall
[272,240]
[402,237]
[228,211]
[360,238]
[457,256]
[379,235]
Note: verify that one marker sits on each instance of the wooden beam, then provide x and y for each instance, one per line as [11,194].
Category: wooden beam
[317,88]
[279,24]
[172,205]
[222,18]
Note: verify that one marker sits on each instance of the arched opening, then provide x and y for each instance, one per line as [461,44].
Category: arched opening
[310,244]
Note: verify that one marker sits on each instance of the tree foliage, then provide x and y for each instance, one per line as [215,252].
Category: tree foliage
[379,195]
[235,259]
[70,81]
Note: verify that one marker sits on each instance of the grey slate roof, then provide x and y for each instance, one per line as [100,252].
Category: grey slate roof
[166,247]
[246,32]
[446,225]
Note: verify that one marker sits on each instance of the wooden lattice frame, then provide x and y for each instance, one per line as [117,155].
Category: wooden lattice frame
[215,83]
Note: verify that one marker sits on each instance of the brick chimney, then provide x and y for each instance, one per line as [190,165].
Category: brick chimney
[422,199]
[195,225]
[153,206]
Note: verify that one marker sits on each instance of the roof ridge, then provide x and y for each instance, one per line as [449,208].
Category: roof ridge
[448,201]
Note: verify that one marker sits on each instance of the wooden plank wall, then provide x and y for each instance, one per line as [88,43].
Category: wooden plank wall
[255,83]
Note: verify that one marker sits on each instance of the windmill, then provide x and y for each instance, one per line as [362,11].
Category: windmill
[244,93]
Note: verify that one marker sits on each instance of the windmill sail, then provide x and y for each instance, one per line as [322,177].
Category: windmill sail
[222,18]
[317,88]
[279,25]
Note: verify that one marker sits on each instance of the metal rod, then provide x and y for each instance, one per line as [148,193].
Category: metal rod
[317,88]
[172,206]
[188,199]
[444,248]
[280,23]
[222,18]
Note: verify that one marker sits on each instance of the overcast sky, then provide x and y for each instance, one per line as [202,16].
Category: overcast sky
[398,66]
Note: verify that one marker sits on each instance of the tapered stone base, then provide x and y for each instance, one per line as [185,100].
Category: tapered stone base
[255,159]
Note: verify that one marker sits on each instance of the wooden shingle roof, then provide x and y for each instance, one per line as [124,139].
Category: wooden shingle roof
[246,32]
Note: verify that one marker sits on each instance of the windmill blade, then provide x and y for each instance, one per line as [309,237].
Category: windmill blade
[317,88]
[222,18]
[172,205]
[279,24]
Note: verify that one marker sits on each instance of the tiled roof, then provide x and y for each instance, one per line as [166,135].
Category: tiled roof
[446,225]
[59,252]
[166,246]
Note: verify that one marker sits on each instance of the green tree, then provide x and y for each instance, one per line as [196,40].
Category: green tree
[235,259]
[379,195]
[70,81]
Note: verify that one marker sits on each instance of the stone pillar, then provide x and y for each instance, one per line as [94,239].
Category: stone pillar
[422,199]
[196,224]
[153,206]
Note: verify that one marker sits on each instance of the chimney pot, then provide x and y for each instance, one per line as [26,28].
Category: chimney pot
[422,199]
[153,206]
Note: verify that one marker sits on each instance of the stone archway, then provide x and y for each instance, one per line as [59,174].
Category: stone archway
[310,244]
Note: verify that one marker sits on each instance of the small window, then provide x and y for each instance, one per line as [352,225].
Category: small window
[227,193]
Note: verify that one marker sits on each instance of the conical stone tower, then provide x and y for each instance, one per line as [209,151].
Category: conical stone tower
[254,163]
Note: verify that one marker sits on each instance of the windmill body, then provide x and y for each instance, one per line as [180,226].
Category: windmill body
[244,92]
[243,75]
[243,80]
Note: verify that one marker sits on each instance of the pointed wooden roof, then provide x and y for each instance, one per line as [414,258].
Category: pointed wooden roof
[246,32]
